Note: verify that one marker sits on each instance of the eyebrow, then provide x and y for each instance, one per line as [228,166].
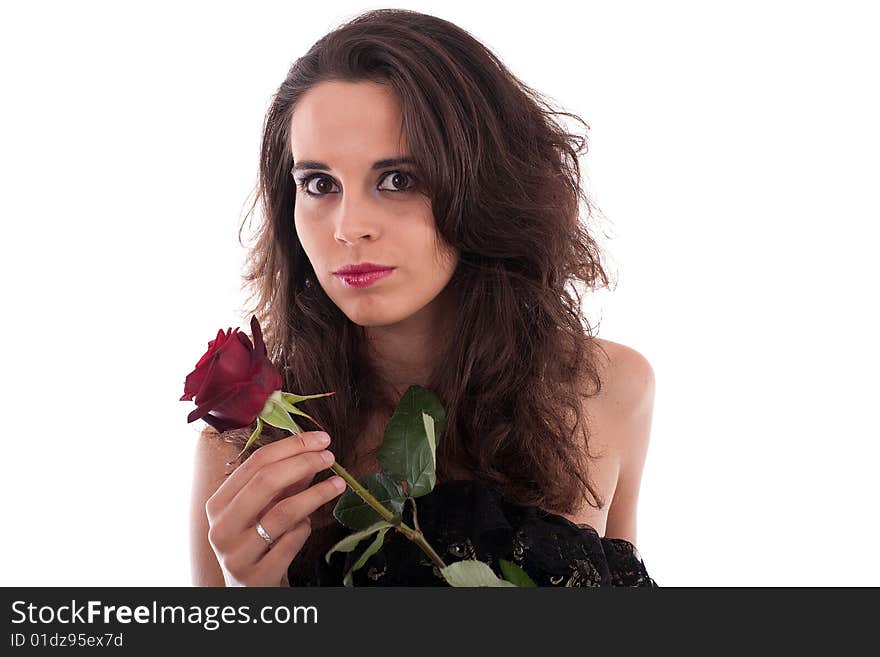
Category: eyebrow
[380,164]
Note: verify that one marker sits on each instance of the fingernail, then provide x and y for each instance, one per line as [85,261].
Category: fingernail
[323,438]
[338,482]
[327,456]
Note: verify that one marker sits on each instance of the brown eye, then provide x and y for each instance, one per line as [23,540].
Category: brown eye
[400,181]
[323,185]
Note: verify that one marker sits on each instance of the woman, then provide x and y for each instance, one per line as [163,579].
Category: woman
[400,145]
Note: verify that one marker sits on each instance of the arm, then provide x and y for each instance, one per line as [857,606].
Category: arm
[211,455]
[631,413]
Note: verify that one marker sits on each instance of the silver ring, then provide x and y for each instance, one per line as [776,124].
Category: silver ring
[264,534]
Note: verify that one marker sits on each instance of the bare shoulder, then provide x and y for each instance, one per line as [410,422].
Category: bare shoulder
[211,454]
[627,380]
[626,404]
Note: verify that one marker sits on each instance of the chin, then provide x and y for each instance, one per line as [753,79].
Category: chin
[374,316]
[370,320]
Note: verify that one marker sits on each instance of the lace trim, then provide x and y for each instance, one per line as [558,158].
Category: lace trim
[466,519]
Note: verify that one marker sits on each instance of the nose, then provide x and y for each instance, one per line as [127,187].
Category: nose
[355,220]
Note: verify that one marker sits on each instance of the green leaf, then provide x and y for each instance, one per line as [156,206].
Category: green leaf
[514,573]
[278,417]
[296,399]
[290,408]
[353,512]
[254,436]
[470,572]
[409,448]
[296,411]
[372,548]
[286,405]
[351,541]
[429,424]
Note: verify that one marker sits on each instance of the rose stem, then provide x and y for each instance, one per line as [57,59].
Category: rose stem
[412,534]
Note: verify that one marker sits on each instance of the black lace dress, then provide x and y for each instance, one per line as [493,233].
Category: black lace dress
[468,519]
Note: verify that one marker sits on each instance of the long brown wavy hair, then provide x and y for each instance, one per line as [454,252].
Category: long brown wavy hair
[505,186]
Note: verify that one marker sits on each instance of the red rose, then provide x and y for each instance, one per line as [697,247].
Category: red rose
[232,381]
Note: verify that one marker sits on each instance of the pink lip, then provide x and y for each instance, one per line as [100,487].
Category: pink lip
[361,268]
[365,279]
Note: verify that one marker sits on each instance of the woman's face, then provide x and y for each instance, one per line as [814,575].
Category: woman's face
[352,208]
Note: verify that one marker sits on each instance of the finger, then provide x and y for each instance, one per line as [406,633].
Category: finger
[280,449]
[289,491]
[275,563]
[267,482]
[293,510]
[287,515]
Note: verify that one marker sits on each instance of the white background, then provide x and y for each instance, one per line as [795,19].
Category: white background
[733,148]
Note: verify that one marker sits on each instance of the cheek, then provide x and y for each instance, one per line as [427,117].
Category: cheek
[300,216]
[435,254]
[306,233]
[447,261]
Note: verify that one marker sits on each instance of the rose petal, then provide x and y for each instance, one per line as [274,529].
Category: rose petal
[246,405]
[245,341]
[211,404]
[196,379]
[220,424]
[257,332]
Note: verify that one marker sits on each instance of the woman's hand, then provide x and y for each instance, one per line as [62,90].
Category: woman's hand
[272,487]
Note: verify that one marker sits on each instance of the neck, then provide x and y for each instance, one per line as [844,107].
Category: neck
[405,353]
